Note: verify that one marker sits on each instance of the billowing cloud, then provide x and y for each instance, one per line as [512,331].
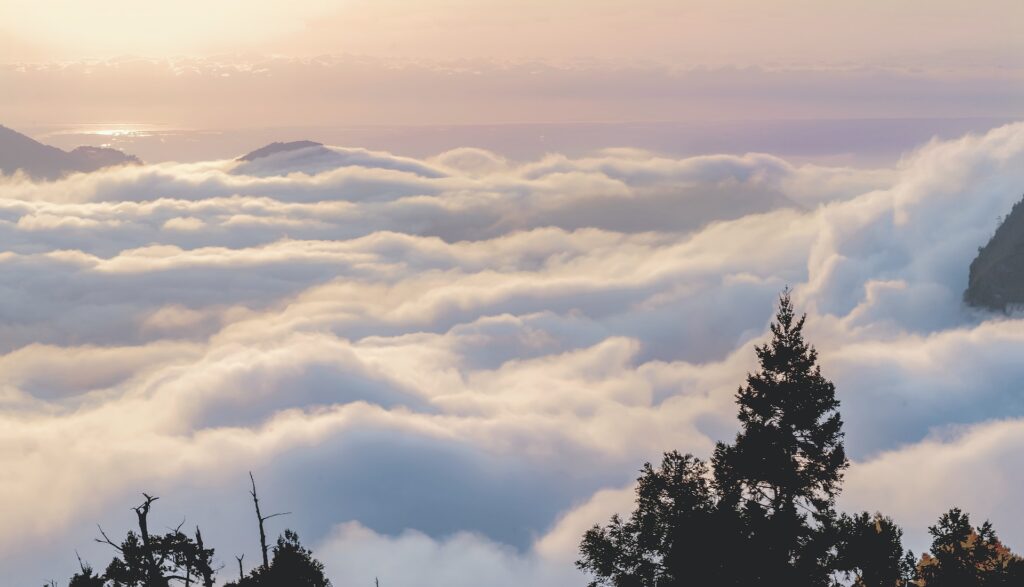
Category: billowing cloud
[465,359]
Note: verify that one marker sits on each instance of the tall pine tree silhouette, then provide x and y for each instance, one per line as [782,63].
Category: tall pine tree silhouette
[785,468]
[771,503]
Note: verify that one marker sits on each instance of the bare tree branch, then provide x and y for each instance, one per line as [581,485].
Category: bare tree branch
[81,565]
[261,518]
[106,539]
[142,511]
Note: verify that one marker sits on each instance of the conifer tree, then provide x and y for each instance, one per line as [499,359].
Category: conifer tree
[674,537]
[870,552]
[86,577]
[771,502]
[152,560]
[292,565]
[784,470]
[962,556]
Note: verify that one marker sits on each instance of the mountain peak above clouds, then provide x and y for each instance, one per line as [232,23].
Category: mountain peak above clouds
[311,158]
[39,161]
[996,280]
[278,147]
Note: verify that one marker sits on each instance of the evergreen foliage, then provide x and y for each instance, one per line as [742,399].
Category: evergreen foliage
[784,469]
[671,537]
[962,556]
[870,552]
[86,578]
[145,560]
[293,565]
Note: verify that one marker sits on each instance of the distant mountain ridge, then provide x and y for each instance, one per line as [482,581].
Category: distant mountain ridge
[278,147]
[39,161]
[996,279]
[311,157]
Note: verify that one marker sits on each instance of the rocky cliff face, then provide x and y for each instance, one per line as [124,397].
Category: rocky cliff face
[996,278]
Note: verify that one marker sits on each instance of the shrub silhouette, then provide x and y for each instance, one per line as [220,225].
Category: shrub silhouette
[292,566]
[146,560]
[86,577]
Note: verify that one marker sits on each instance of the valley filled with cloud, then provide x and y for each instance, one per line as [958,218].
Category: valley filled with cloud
[448,368]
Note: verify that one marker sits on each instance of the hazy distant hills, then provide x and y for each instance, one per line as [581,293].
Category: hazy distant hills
[311,157]
[278,147]
[996,278]
[40,161]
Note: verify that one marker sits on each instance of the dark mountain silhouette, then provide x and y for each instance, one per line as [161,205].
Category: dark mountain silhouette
[277,147]
[996,278]
[40,161]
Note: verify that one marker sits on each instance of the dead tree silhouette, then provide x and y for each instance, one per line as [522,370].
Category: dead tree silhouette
[261,518]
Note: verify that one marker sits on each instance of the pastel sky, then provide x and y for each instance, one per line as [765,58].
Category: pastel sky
[686,32]
[256,63]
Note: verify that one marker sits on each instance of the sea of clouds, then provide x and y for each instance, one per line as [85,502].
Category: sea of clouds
[448,368]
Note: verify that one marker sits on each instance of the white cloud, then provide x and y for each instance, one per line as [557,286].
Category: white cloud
[470,364]
[356,555]
[186,223]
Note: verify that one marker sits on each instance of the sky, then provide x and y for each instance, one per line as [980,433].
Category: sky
[688,33]
[538,250]
[233,65]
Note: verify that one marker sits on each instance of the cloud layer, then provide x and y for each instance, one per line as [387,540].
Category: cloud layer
[464,359]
